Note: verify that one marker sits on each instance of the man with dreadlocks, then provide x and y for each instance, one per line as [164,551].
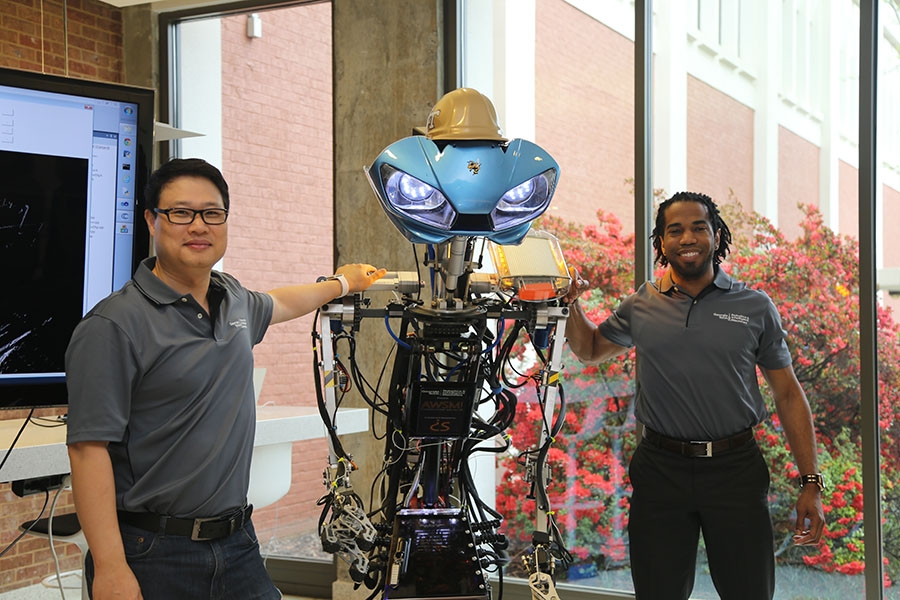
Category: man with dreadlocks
[699,338]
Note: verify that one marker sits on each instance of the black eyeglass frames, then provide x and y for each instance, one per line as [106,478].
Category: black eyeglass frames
[186,216]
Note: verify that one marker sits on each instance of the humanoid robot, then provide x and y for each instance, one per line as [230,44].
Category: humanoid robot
[466,196]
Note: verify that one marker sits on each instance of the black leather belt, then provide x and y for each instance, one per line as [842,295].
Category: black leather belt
[199,529]
[697,448]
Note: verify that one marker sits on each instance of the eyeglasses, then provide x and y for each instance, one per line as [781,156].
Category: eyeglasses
[186,216]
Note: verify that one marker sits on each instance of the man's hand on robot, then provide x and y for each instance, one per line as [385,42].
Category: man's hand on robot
[360,276]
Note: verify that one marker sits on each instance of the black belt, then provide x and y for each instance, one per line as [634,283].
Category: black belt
[199,529]
[694,449]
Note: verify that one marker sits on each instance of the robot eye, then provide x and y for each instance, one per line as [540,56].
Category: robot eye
[416,199]
[409,193]
[525,201]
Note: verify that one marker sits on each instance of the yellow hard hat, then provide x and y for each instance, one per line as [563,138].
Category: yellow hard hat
[463,114]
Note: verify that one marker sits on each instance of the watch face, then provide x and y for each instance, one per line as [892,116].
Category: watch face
[815,478]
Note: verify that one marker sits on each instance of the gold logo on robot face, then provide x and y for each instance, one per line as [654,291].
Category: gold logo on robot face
[473,166]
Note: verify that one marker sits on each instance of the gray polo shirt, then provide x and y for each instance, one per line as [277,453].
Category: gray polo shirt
[171,390]
[697,357]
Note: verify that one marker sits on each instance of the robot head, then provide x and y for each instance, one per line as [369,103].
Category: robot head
[462,177]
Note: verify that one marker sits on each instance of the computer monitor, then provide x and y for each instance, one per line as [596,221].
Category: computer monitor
[74,156]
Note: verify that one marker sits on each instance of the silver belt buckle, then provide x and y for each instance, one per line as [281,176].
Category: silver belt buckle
[195,530]
[708,450]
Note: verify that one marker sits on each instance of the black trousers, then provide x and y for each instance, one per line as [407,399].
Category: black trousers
[724,497]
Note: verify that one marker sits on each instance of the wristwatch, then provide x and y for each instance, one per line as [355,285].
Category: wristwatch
[815,478]
[345,287]
[339,277]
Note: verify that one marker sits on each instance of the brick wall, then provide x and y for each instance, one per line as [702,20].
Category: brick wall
[33,37]
[719,144]
[585,112]
[798,180]
[38,35]
[848,207]
[31,560]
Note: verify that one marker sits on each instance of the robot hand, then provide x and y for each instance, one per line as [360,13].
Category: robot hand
[542,587]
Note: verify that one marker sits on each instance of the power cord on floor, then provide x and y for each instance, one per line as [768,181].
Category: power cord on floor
[66,483]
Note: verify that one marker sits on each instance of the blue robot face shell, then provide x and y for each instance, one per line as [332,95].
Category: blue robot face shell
[432,193]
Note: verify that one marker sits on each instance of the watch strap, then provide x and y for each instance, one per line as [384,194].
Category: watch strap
[814,478]
[345,286]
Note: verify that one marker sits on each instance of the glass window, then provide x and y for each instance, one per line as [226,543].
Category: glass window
[258,88]
[755,104]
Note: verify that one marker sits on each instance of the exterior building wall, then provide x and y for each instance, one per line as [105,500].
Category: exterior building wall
[848,211]
[891,214]
[798,180]
[719,141]
[585,112]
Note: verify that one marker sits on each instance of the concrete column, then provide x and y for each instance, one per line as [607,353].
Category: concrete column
[140,50]
[387,75]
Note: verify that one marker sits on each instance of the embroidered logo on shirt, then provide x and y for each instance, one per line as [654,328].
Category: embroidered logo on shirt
[733,318]
[239,323]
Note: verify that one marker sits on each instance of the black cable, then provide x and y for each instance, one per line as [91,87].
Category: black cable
[336,445]
[31,525]
[47,422]
[362,384]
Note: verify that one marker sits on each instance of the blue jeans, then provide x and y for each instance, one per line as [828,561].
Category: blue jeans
[177,568]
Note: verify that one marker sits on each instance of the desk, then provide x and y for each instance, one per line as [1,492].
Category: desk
[41,451]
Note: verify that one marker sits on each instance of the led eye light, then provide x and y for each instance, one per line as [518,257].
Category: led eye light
[408,193]
[524,202]
[415,200]
[515,197]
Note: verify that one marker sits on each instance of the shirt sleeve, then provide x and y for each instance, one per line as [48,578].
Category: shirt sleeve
[617,327]
[773,352]
[261,307]
[101,366]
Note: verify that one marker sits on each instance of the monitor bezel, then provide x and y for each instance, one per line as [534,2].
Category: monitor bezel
[29,393]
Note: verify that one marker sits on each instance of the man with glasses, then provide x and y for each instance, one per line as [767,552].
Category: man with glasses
[162,411]
[699,338]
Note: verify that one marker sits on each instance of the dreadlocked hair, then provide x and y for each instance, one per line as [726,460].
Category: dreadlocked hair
[718,224]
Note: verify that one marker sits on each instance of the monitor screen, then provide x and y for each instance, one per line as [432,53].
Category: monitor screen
[75,156]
